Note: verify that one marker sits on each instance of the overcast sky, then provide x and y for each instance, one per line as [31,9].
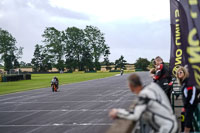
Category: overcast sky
[132,28]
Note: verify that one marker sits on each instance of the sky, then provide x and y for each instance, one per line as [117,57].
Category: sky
[132,28]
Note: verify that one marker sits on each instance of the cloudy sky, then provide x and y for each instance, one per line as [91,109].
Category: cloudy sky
[133,28]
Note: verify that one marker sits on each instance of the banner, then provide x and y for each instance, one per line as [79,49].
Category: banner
[185,44]
[177,57]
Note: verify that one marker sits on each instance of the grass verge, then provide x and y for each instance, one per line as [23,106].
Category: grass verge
[43,80]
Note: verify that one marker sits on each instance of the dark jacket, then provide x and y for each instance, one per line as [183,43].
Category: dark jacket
[189,94]
[162,77]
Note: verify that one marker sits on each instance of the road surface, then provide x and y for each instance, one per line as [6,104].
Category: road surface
[76,108]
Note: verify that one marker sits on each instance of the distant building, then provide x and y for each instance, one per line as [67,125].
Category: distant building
[112,67]
[103,69]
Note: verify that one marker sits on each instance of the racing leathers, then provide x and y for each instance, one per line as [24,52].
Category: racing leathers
[190,102]
[154,107]
[55,81]
[163,79]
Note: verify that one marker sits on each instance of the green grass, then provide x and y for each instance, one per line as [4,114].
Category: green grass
[43,80]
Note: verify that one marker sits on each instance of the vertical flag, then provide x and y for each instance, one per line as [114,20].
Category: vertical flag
[192,27]
[185,37]
[176,54]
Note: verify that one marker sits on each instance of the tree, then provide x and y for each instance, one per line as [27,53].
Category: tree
[151,64]
[47,61]
[36,60]
[87,60]
[70,63]
[22,64]
[74,46]
[8,51]
[29,65]
[55,46]
[8,62]
[106,59]
[42,62]
[142,63]
[120,63]
[95,40]
[16,64]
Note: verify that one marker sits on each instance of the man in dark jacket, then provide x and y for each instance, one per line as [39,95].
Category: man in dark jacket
[162,77]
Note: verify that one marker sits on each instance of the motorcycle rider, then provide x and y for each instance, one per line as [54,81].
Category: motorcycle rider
[152,104]
[55,81]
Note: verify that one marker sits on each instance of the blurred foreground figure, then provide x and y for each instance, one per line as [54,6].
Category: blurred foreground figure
[153,105]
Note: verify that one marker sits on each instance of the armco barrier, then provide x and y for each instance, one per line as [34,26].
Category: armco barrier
[13,77]
[90,71]
[8,78]
[114,71]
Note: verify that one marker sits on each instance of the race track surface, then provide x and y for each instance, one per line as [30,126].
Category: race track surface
[75,108]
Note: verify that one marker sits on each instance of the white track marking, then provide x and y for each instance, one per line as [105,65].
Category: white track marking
[18,118]
[62,110]
[101,101]
[60,124]
[24,96]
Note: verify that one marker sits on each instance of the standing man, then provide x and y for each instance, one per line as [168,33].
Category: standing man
[162,76]
[152,104]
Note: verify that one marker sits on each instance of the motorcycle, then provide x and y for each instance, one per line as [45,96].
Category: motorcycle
[54,86]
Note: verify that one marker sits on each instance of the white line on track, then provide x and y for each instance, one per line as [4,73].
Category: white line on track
[101,101]
[62,110]
[60,124]
[25,96]
[22,117]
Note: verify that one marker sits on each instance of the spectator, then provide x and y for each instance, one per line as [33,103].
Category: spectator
[152,104]
[162,76]
[189,97]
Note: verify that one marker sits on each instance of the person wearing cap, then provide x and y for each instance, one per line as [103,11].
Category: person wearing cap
[152,104]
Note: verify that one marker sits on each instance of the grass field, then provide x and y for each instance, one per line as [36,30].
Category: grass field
[43,80]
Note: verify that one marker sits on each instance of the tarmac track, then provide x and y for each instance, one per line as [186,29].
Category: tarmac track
[76,108]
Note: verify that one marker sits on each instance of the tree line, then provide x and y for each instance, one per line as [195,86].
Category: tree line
[73,48]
